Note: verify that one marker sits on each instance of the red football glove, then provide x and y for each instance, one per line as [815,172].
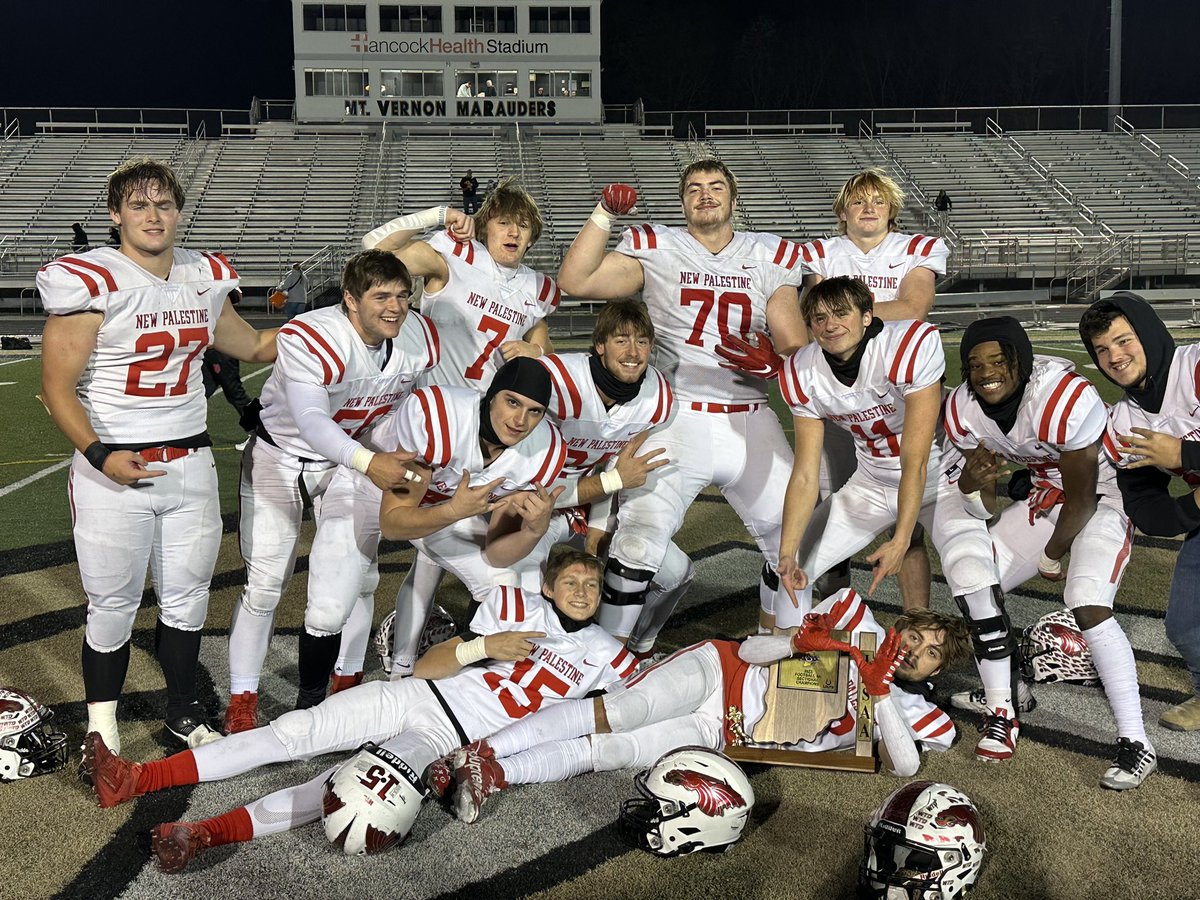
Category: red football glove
[1042,499]
[877,675]
[758,358]
[815,635]
[618,199]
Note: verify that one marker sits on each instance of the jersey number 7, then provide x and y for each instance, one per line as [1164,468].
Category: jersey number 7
[498,330]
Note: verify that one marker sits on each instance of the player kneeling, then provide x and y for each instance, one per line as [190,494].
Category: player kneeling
[686,698]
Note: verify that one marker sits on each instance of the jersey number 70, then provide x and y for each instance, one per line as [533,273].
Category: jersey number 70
[726,302]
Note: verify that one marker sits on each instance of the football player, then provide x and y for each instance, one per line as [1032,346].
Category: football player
[121,378]
[701,283]
[881,381]
[1153,435]
[523,651]
[490,307]
[340,370]
[713,694]
[900,269]
[1035,412]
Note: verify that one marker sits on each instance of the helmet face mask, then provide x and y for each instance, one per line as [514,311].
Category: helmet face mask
[692,799]
[28,745]
[924,842]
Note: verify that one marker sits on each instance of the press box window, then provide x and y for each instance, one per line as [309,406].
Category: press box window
[474,83]
[411,19]
[335,82]
[560,84]
[334,17]
[485,19]
[560,20]
[411,83]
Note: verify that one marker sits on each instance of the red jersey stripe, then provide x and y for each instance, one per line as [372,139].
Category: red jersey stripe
[320,339]
[946,725]
[804,251]
[820,248]
[325,367]
[651,237]
[109,281]
[780,251]
[913,244]
[928,248]
[570,402]
[1196,380]
[635,237]
[1122,555]
[1066,413]
[93,288]
[1047,420]
[791,263]
[953,424]
[916,351]
[443,426]
[433,341]
[928,719]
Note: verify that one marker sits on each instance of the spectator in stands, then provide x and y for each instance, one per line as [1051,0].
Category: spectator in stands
[541,92]
[464,89]
[489,89]
[470,191]
[943,204]
[295,288]
[79,238]
[114,237]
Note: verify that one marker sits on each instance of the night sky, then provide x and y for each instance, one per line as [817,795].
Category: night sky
[698,55]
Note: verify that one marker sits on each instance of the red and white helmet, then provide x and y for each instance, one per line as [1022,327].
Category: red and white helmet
[692,799]
[371,801]
[1054,649]
[28,745]
[924,842]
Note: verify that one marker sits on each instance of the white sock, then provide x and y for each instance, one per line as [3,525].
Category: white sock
[996,674]
[555,761]
[240,753]
[356,635]
[102,718]
[249,636]
[560,722]
[402,666]
[1113,657]
[289,808]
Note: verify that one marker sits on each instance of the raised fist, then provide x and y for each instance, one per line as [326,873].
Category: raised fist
[618,199]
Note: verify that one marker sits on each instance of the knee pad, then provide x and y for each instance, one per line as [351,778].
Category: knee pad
[1000,642]
[625,585]
[614,751]
[108,629]
[626,710]
[638,547]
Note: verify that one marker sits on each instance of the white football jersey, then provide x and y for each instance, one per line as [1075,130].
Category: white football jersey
[929,724]
[1060,411]
[563,665]
[696,298]
[322,348]
[1179,415]
[593,433]
[482,306]
[142,384]
[903,357]
[882,268]
[441,425]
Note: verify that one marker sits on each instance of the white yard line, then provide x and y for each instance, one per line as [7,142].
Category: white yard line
[265,370]
[49,470]
[9,362]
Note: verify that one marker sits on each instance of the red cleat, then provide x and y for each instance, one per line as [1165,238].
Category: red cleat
[242,713]
[113,779]
[478,776]
[175,844]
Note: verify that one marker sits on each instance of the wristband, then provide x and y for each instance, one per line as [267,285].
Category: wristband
[96,453]
[434,217]
[611,481]
[1049,566]
[360,459]
[470,652]
[973,503]
[601,218]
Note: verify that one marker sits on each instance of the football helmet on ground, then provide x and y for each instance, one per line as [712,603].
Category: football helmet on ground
[1054,649]
[692,799]
[371,801]
[28,745]
[924,842]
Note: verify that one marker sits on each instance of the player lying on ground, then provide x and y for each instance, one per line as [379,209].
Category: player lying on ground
[687,699]
[539,650]
[1036,412]
[881,381]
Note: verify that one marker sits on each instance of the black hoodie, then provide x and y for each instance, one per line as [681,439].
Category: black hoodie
[1146,492]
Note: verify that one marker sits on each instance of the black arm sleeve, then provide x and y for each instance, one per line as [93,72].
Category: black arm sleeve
[1152,508]
[1189,452]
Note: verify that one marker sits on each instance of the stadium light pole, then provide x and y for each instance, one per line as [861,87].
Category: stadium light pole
[1114,62]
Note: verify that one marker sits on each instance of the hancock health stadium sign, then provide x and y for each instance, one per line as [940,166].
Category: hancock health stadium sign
[362,43]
